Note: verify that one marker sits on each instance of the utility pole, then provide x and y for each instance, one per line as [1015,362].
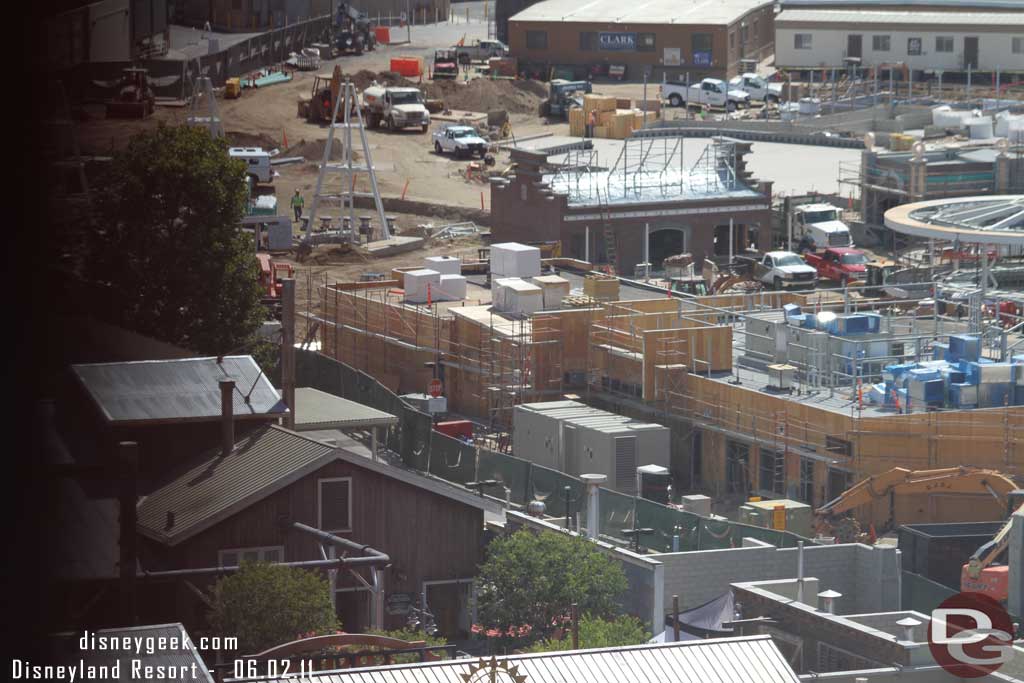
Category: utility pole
[288,349]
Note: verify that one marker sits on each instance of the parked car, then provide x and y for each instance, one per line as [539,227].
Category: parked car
[785,270]
[480,51]
[459,141]
[710,91]
[757,87]
[839,264]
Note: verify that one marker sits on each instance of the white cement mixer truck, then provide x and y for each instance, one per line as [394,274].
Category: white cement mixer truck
[396,108]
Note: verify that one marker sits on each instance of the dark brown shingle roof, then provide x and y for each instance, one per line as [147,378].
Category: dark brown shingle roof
[265,462]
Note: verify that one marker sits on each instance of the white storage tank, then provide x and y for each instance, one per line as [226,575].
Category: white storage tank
[446,265]
[417,283]
[511,259]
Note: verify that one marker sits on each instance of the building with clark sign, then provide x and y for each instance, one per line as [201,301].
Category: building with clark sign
[702,39]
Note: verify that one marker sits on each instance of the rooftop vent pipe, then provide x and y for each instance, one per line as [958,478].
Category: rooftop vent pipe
[593,483]
[227,417]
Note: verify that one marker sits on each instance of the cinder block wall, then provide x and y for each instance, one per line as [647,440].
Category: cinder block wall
[868,577]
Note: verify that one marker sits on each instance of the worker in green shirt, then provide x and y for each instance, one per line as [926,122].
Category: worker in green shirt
[297,203]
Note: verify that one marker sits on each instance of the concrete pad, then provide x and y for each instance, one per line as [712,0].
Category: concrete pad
[395,245]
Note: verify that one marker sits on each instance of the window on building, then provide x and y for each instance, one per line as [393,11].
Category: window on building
[838,481]
[1017,46]
[732,39]
[236,556]
[802,41]
[744,35]
[943,43]
[334,504]
[913,46]
[701,46]
[588,40]
[772,465]
[756,34]
[881,43]
[838,448]
[645,42]
[536,40]
[807,480]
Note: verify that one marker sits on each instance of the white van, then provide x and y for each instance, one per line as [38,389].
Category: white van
[821,223]
[257,162]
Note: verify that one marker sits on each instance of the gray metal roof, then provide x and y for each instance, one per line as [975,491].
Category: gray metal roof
[701,12]
[955,4]
[177,652]
[264,462]
[912,17]
[184,390]
[315,409]
[725,660]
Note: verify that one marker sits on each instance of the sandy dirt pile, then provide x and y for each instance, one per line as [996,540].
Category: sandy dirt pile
[480,94]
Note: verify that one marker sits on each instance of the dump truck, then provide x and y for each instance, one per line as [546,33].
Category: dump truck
[710,91]
[395,107]
[821,223]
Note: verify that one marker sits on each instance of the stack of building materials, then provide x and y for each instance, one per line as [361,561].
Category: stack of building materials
[503,67]
[601,287]
[446,265]
[452,287]
[427,285]
[980,128]
[421,283]
[945,117]
[593,102]
[515,295]
[577,122]
[514,260]
[576,439]
[554,288]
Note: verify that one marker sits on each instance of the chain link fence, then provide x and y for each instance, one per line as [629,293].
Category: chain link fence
[520,481]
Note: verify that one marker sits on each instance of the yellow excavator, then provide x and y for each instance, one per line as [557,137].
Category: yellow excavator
[901,496]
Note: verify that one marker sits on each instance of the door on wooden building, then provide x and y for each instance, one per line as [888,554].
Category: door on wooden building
[450,605]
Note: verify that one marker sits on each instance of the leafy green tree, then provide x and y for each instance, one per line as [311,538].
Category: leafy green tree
[596,632]
[265,605]
[168,245]
[529,582]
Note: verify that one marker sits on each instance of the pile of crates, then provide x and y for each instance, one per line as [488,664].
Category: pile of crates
[614,118]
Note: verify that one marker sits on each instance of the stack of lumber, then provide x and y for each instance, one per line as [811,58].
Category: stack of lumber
[601,287]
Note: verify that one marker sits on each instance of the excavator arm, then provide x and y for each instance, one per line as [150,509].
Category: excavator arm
[986,554]
[901,481]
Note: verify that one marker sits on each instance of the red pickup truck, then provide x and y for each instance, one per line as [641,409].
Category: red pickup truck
[839,264]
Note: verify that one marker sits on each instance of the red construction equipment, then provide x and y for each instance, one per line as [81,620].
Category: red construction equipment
[134,98]
[271,274]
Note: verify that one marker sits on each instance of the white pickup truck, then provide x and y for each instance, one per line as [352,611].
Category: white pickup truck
[480,51]
[459,141]
[758,88]
[785,270]
[710,91]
